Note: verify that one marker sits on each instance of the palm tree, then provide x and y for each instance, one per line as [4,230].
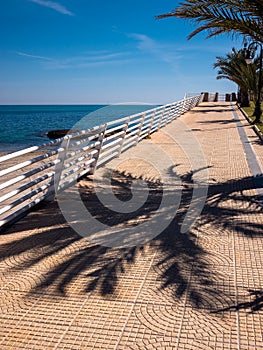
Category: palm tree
[223,16]
[233,67]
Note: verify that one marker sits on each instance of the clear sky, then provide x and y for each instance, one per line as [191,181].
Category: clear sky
[102,51]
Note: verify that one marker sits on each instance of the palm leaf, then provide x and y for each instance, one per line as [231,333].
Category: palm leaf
[226,16]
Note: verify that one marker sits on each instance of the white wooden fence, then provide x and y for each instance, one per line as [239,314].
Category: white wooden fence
[27,177]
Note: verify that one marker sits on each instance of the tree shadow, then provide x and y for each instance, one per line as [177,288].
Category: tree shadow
[256,141]
[181,264]
[206,110]
[253,306]
[218,121]
[227,216]
[214,104]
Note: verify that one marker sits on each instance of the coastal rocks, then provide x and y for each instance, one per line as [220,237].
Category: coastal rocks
[56,134]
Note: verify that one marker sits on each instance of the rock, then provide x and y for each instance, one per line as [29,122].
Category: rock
[56,134]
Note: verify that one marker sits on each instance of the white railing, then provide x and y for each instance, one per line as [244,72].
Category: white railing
[27,177]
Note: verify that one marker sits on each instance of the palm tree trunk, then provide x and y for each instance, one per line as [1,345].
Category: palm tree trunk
[244,98]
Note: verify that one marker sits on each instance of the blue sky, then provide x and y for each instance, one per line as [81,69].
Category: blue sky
[101,51]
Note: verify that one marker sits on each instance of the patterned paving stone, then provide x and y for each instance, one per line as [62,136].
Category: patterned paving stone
[149,342]
[251,329]
[99,324]
[148,323]
[36,319]
[210,295]
[161,319]
[205,324]
[138,338]
[216,343]
[161,291]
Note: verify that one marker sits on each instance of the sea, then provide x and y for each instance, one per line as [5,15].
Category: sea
[22,126]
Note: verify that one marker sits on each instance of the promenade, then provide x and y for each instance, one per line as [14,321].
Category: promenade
[199,289]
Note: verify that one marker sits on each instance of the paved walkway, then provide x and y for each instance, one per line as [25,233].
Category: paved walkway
[202,289]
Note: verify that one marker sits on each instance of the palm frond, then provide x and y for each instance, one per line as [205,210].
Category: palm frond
[225,16]
[233,67]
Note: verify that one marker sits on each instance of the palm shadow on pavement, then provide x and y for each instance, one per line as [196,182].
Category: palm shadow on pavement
[180,264]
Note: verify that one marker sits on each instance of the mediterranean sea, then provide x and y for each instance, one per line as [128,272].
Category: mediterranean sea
[27,125]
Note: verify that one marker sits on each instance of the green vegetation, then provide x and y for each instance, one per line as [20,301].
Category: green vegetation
[250,110]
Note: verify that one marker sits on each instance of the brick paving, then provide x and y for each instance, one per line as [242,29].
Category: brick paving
[199,290]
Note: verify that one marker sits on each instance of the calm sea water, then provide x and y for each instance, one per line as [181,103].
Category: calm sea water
[24,126]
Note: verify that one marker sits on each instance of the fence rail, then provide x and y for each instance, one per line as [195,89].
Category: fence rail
[28,176]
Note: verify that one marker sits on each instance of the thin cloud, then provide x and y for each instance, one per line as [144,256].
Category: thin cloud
[147,44]
[97,57]
[84,61]
[62,65]
[23,54]
[90,60]
[164,52]
[54,6]
[144,41]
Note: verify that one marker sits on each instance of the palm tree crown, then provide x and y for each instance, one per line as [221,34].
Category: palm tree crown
[223,16]
[233,67]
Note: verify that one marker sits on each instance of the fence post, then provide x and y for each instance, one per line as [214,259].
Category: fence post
[216,97]
[186,105]
[189,103]
[50,195]
[206,97]
[98,148]
[151,124]
[227,98]
[233,97]
[161,118]
[177,114]
[181,107]
[167,116]
[125,133]
[140,128]
[171,114]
